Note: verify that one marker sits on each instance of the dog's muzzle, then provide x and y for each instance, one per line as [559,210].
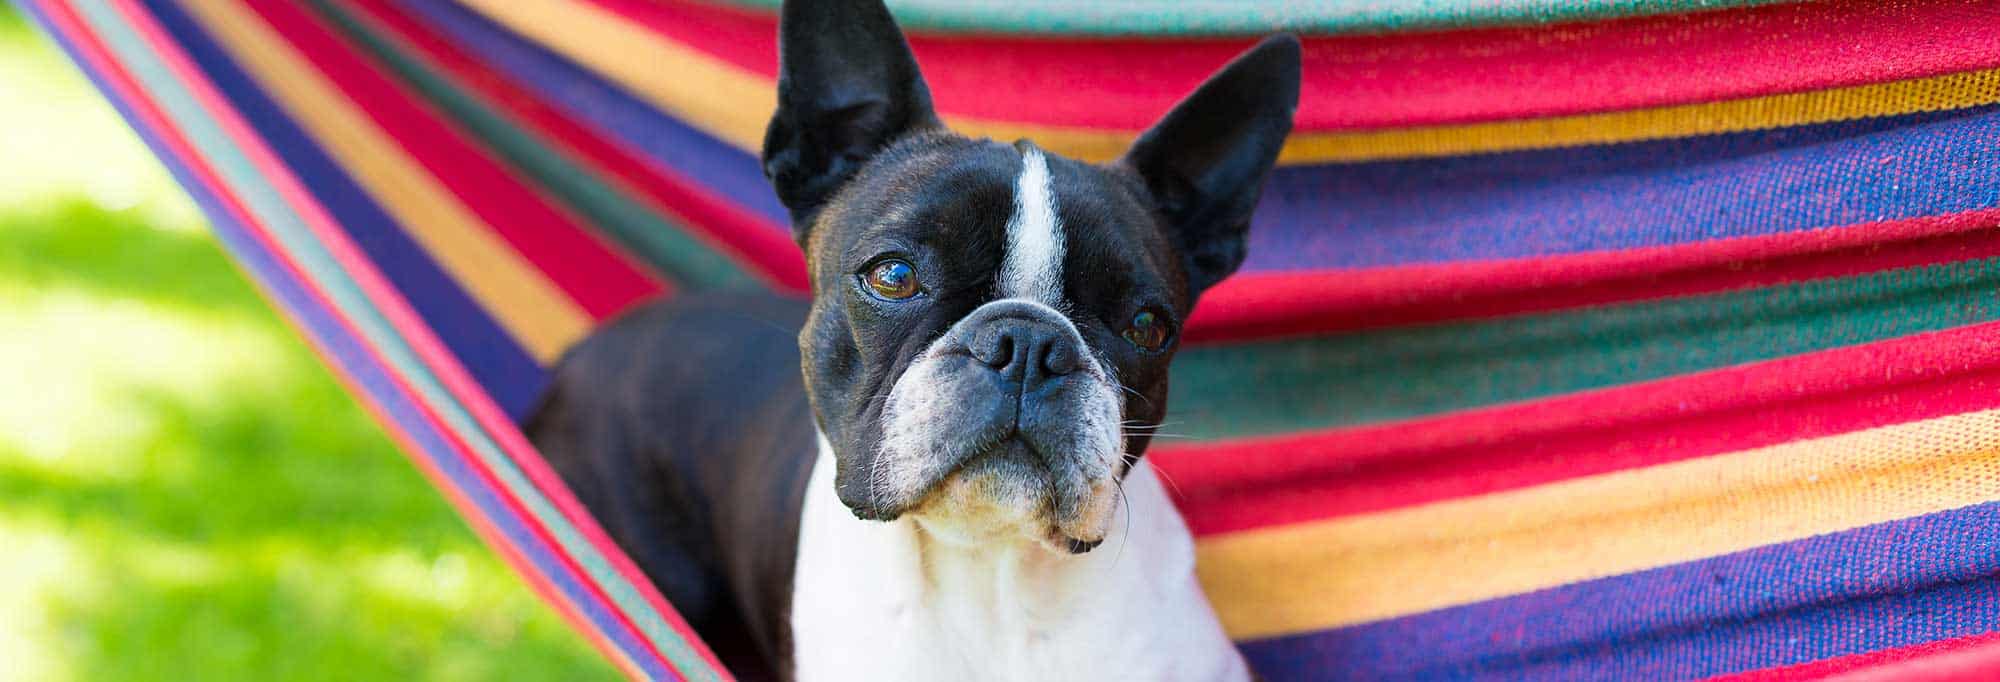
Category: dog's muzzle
[1006,424]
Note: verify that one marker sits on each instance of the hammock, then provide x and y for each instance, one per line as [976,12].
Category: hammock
[1578,338]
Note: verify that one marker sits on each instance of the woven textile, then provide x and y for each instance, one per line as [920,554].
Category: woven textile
[1638,339]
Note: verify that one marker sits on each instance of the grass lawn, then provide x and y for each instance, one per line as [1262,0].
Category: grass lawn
[185,492]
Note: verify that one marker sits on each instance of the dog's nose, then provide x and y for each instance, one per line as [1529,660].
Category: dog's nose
[1025,350]
[1025,345]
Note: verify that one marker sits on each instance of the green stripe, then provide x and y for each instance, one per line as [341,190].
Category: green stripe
[1184,18]
[247,184]
[690,262]
[1376,376]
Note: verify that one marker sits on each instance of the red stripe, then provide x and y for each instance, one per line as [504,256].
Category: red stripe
[1966,658]
[93,53]
[600,279]
[180,149]
[1410,79]
[1277,304]
[1265,481]
[746,237]
[401,316]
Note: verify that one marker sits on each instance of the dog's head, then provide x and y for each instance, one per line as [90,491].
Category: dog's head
[992,323]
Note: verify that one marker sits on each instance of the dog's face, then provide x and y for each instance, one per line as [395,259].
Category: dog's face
[985,319]
[992,324]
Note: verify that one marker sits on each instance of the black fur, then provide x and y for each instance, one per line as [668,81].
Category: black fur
[684,428]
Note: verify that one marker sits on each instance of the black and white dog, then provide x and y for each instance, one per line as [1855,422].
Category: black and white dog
[954,490]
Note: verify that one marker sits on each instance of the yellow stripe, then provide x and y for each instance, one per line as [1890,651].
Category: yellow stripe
[708,93]
[1319,575]
[1937,93]
[733,104]
[537,313]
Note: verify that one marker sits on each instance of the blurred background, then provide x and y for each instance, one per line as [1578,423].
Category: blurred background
[186,493]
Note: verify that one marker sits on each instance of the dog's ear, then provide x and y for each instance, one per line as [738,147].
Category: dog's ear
[847,86]
[1206,161]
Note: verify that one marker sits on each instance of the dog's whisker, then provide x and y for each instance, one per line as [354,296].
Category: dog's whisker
[1153,431]
[1169,480]
[1164,434]
[1124,536]
[1122,387]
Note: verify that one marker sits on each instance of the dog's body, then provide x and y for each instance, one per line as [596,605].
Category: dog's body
[952,487]
[713,502]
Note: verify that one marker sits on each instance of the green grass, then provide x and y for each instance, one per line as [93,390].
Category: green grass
[185,492]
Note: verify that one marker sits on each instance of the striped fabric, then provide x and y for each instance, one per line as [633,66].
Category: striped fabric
[1644,339]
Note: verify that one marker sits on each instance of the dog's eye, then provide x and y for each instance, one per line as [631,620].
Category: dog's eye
[892,280]
[1149,330]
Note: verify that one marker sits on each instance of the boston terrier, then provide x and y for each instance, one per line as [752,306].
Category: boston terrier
[931,470]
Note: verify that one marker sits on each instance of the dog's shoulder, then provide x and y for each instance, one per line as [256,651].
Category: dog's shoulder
[683,426]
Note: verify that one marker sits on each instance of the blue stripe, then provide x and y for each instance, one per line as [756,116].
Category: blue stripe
[347,354]
[1895,584]
[495,360]
[724,169]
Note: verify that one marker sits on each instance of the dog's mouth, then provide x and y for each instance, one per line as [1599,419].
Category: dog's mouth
[1008,491]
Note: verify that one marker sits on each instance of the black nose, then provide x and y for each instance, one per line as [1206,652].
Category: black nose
[1025,348]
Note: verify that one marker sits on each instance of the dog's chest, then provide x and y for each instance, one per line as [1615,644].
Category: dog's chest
[872,602]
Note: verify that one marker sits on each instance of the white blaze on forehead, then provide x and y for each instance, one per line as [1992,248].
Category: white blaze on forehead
[1032,267]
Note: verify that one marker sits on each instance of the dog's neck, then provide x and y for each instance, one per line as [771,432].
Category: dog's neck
[892,601]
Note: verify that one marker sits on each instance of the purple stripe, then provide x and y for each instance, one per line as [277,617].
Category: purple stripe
[1527,204]
[1895,584]
[347,354]
[496,361]
[724,169]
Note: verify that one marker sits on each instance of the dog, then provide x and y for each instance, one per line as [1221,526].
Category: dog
[931,470]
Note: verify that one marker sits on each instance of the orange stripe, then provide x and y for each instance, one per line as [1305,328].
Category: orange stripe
[1319,575]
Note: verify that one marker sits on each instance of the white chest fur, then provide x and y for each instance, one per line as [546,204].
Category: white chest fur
[882,601]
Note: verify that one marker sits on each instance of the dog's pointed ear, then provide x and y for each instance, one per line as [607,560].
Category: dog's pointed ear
[1206,161]
[847,86]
